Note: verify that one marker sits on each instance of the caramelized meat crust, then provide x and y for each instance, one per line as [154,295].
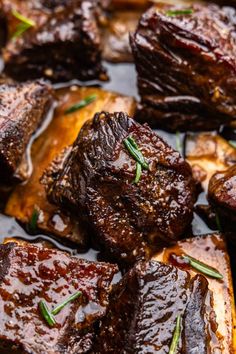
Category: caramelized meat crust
[63,43]
[97,183]
[186,66]
[222,194]
[29,274]
[22,109]
[144,306]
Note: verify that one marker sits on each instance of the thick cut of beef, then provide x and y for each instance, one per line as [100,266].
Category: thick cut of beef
[22,109]
[186,64]
[144,306]
[62,43]
[97,183]
[222,194]
[29,274]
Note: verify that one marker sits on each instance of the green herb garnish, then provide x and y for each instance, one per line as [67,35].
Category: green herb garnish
[24,25]
[176,336]
[32,225]
[179,12]
[81,104]
[134,151]
[203,268]
[47,315]
[178,142]
[138,173]
[58,308]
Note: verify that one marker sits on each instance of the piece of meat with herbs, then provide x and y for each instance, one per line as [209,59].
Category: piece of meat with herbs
[186,65]
[130,207]
[57,40]
[144,307]
[222,195]
[23,107]
[30,274]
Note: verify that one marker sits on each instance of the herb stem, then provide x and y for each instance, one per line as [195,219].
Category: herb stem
[176,336]
[203,268]
[179,12]
[24,25]
[134,151]
[81,104]
[138,173]
[47,315]
[59,307]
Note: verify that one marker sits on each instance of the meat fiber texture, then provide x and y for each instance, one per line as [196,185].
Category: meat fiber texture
[222,195]
[96,182]
[22,109]
[143,310]
[63,44]
[186,66]
[29,274]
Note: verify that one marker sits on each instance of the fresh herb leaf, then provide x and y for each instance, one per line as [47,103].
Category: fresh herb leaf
[203,268]
[178,142]
[83,103]
[218,223]
[138,173]
[179,12]
[176,336]
[58,308]
[47,315]
[233,143]
[24,25]
[134,151]
[32,225]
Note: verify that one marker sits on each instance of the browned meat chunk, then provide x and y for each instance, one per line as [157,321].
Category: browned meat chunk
[62,41]
[144,306]
[186,64]
[222,194]
[22,109]
[97,183]
[30,274]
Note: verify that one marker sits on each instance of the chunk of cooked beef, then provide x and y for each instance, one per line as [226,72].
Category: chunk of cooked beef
[29,274]
[22,109]
[144,306]
[186,66]
[62,44]
[97,184]
[222,194]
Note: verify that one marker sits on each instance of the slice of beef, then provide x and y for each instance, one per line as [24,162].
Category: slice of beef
[144,306]
[63,44]
[22,109]
[96,183]
[186,66]
[29,274]
[222,195]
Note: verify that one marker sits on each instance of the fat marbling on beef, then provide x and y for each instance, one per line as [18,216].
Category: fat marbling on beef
[29,274]
[222,195]
[96,182]
[186,64]
[22,109]
[143,309]
[62,44]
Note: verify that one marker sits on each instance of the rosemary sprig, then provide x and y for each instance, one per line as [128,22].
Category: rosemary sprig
[179,12]
[178,142]
[176,336]
[203,268]
[138,173]
[218,223]
[81,104]
[58,308]
[24,25]
[32,225]
[134,151]
[47,315]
